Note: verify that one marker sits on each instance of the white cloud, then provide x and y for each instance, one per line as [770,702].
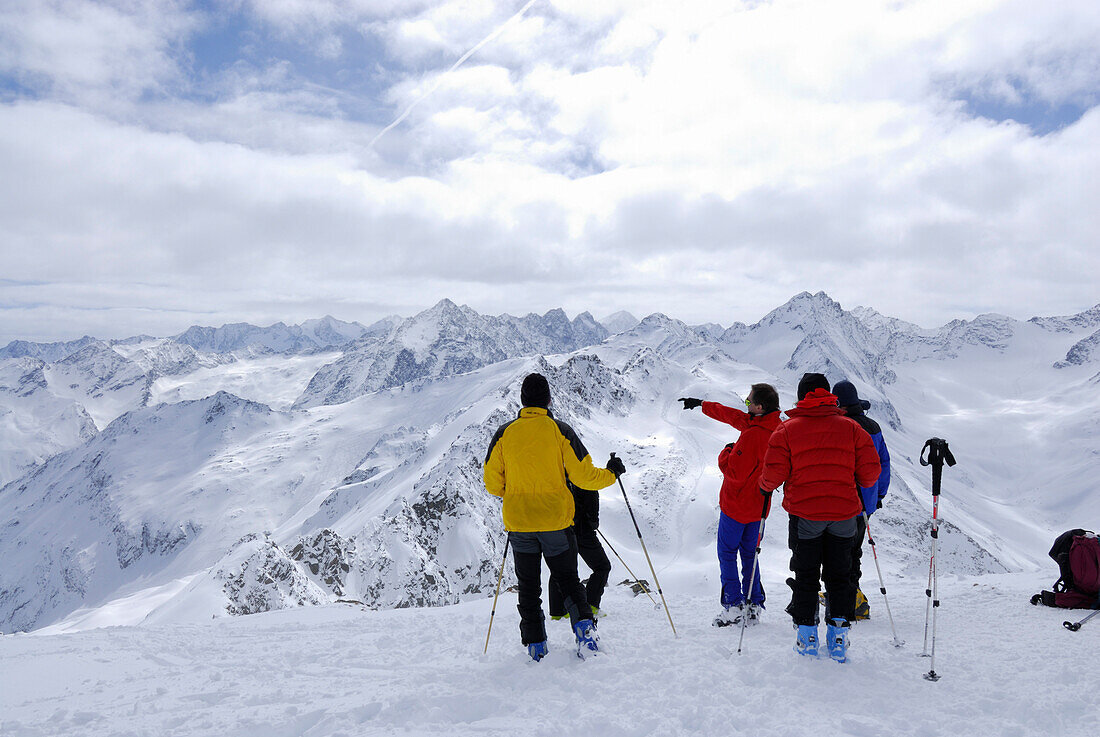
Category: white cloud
[80,49]
[707,159]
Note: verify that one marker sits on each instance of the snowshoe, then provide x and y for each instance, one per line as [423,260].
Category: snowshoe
[806,643]
[730,616]
[537,650]
[587,639]
[838,639]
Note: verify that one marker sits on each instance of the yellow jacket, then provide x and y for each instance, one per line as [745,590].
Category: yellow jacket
[530,462]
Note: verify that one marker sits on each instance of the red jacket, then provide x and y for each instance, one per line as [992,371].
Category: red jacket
[821,456]
[741,462]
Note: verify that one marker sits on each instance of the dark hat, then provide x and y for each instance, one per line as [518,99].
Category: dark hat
[810,382]
[535,391]
[847,396]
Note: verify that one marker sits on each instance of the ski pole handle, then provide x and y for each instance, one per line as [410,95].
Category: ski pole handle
[767,504]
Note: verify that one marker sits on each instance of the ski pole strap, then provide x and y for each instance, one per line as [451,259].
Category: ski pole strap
[935,453]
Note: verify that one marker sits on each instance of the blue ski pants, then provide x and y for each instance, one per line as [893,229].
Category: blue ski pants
[734,537]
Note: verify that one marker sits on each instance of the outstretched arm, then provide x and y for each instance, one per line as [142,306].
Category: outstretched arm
[736,418]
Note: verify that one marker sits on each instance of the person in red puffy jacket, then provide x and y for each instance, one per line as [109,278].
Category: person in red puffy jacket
[740,500]
[821,458]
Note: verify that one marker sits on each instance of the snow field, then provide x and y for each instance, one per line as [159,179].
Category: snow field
[1007,669]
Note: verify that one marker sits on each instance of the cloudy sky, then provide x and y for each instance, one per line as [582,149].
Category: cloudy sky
[165,163]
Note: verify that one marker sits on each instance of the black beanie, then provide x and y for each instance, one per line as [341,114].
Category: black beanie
[847,396]
[810,382]
[535,391]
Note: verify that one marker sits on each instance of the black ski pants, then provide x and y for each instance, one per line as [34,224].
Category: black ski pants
[857,552]
[586,521]
[559,549]
[821,551]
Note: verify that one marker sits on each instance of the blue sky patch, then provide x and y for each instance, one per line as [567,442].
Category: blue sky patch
[1041,116]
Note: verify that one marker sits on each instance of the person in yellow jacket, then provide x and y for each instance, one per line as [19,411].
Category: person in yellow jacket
[531,461]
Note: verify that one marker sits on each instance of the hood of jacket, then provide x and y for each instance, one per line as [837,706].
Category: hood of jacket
[818,403]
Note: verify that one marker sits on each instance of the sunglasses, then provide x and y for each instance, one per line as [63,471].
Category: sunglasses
[748,403]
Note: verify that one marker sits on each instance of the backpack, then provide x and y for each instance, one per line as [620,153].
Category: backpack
[1077,553]
[863,607]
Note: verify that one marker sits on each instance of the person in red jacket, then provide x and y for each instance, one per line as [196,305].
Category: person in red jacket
[822,458]
[739,499]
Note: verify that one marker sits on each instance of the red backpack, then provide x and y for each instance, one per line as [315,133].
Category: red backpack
[1077,553]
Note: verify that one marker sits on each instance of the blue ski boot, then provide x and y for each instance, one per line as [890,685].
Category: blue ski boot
[806,644]
[838,639]
[537,650]
[587,641]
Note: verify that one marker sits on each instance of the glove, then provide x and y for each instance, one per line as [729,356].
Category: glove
[615,466]
[729,446]
[879,503]
[690,402]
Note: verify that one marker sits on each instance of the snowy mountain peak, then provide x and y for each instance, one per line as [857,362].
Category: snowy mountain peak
[447,309]
[97,353]
[225,404]
[48,352]
[1087,320]
[804,308]
[619,322]
[664,322]
[311,335]
[1082,352]
[444,340]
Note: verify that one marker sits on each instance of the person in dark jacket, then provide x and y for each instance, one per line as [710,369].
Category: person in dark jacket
[853,406]
[586,521]
[820,456]
[530,464]
[739,500]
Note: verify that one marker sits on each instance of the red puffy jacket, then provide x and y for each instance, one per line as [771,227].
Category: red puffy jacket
[821,456]
[741,462]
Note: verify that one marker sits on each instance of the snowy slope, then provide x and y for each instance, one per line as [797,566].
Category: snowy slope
[1006,669]
[35,423]
[276,381]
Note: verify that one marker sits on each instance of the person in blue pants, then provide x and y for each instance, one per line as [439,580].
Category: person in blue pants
[739,498]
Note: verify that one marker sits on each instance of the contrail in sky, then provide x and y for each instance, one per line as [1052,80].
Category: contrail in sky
[500,29]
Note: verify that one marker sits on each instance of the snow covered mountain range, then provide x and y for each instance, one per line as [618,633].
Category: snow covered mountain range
[241,469]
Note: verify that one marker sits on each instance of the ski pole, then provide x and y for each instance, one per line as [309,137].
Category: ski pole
[935,453]
[650,562]
[931,573]
[636,579]
[500,578]
[932,455]
[755,560]
[1074,626]
[881,583]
